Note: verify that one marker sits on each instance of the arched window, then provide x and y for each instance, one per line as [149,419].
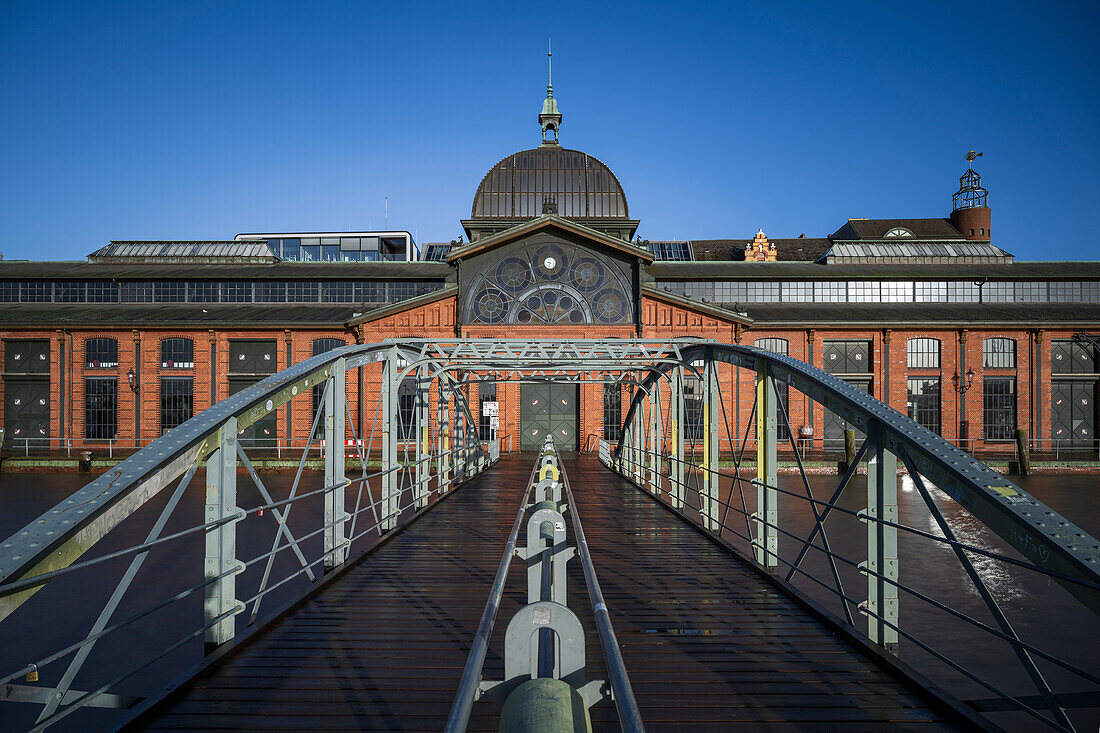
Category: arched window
[177,353]
[778,346]
[922,353]
[101,353]
[999,353]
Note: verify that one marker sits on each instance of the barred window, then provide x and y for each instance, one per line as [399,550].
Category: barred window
[930,292]
[798,292]
[177,401]
[863,291]
[301,292]
[999,408]
[923,401]
[612,411]
[830,292]
[170,291]
[101,353]
[136,291]
[999,353]
[340,291]
[177,353]
[896,291]
[69,292]
[100,408]
[487,392]
[203,291]
[270,291]
[922,353]
[999,292]
[237,291]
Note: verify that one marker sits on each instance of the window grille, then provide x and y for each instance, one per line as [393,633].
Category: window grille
[923,401]
[612,411]
[487,392]
[999,353]
[176,401]
[922,353]
[100,353]
[100,408]
[177,353]
[999,408]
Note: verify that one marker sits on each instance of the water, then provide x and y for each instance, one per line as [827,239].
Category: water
[1041,611]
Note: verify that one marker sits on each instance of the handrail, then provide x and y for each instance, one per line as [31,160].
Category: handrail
[621,690]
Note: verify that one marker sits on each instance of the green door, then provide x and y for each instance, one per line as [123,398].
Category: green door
[548,409]
[26,413]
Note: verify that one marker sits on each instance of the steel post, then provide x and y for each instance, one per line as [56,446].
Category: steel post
[335,548]
[654,437]
[444,434]
[676,450]
[882,542]
[708,490]
[391,476]
[766,542]
[462,440]
[221,541]
[423,446]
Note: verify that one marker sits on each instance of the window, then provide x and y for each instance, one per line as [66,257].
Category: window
[930,292]
[101,353]
[9,291]
[339,291]
[237,291]
[202,291]
[999,292]
[798,292]
[270,291]
[321,346]
[922,353]
[830,292]
[778,346]
[176,400]
[36,291]
[693,403]
[896,291]
[923,401]
[301,292]
[69,292]
[900,232]
[170,291]
[999,353]
[999,408]
[863,291]
[846,357]
[406,409]
[612,411]
[1070,357]
[136,292]
[177,353]
[100,408]
[487,392]
[962,292]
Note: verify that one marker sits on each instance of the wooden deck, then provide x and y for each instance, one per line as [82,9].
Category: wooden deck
[707,643]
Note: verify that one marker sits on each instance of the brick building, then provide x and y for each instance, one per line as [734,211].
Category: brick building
[926,314]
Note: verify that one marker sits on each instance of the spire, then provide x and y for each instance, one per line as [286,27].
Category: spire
[550,117]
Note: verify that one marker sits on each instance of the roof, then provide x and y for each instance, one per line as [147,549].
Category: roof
[799,249]
[946,315]
[184,315]
[207,251]
[713,309]
[1084,270]
[877,229]
[578,184]
[904,248]
[13,270]
[388,309]
[547,221]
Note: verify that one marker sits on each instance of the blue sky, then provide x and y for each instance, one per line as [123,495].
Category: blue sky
[201,120]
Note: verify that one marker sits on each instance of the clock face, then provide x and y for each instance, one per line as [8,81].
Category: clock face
[549,263]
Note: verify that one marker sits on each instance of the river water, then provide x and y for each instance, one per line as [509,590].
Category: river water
[1041,611]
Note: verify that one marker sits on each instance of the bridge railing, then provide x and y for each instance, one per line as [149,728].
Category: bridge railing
[212,563]
[826,545]
[544,685]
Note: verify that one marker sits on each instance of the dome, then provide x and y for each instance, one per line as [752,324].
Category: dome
[550,180]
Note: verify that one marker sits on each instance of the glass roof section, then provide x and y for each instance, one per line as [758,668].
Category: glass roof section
[550,180]
[201,251]
[922,252]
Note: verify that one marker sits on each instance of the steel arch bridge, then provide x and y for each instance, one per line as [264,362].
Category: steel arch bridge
[420,463]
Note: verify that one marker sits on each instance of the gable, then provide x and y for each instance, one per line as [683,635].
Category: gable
[556,226]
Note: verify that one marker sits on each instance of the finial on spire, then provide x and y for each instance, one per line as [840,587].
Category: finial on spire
[550,117]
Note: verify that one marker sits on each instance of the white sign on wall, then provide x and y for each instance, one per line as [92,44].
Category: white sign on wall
[489,409]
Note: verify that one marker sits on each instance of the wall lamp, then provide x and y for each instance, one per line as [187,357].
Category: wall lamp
[959,386]
[131,379]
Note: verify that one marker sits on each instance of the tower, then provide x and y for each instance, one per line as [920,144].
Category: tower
[970,204]
[549,118]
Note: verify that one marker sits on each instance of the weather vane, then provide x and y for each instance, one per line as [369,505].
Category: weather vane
[971,156]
